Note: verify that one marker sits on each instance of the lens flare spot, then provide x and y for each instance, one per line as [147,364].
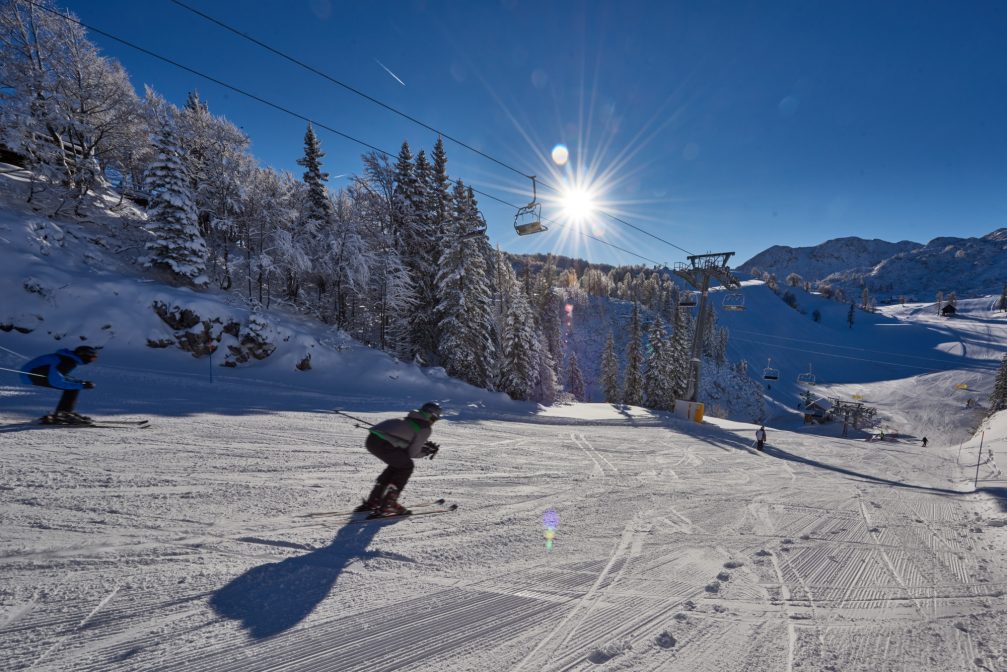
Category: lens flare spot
[560,155]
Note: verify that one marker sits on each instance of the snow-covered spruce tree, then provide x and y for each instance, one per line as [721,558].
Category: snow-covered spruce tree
[998,398]
[632,393]
[316,215]
[350,260]
[610,373]
[546,386]
[317,206]
[439,188]
[574,378]
[177,245]
[659,379]
[416,244]
[1002,304]
[520,358]
[940,301]
[680,354]
[850,314]
[465,312]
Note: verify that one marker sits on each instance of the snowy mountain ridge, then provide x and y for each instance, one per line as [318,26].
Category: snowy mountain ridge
[967,266]
[820,261]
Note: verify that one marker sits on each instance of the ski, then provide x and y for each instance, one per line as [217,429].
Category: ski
[374,519]
[320,514]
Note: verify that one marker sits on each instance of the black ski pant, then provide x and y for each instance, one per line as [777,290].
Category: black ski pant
[400,465]
[67,401]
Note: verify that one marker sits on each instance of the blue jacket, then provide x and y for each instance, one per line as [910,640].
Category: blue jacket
[55,368]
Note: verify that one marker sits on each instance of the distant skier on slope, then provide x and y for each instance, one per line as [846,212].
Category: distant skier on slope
[924,442]
[760,437]
[397,443]
[52,371]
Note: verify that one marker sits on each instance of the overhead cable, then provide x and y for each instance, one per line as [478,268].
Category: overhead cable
[285,110]
[402,114]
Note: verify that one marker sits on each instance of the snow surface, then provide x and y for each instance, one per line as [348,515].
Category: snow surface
[183,546]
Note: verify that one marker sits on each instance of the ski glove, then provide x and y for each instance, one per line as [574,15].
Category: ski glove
[88,385]
[430,448]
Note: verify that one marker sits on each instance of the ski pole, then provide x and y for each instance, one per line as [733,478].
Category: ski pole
[369,424]
[27,373]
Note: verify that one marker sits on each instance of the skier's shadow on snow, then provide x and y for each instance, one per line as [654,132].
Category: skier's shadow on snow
[270,599]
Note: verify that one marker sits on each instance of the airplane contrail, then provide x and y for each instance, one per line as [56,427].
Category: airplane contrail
[389,72]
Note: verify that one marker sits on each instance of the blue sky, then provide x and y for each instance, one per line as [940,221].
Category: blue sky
[714,125]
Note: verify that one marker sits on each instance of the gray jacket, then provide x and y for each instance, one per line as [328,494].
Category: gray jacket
[409,434]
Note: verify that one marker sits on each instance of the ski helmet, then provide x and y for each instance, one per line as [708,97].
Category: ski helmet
[85,352]
[432,409]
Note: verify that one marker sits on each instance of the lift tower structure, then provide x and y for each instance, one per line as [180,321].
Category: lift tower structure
[698,272]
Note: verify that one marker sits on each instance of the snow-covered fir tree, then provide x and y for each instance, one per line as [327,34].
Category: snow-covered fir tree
[998,398]
[574,378]
[610,373]
[177,245]
[520,358]
[680,353]
[632,393]
[659,378]
[465,312]
[317,207]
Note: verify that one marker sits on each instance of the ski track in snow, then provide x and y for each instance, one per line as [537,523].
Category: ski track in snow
[750,562]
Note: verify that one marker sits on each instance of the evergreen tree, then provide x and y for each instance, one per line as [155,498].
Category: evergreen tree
[574,378]
[520,355]
[318,208]
[440,187]
[998,398]
[659,379]
[610,373]
[1002,305]
[632,393]
[850,314]
[546,387]
[465,312]
[178,245]
[680,354]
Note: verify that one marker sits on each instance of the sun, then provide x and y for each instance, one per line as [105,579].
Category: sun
[578,204]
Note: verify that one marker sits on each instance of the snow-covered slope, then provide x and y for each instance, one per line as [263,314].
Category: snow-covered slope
[905,360]
[70,281]
[820,261]
[674,546]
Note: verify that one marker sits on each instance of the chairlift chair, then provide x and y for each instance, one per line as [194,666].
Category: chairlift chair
[770,373]
[528,219]
[734,301]
[687,300]
[806,378]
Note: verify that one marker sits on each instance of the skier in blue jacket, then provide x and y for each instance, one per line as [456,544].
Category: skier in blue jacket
[397,443]
[53,370]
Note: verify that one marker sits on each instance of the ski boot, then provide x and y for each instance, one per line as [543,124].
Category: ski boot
[373,502]
[390,504]
[72,418]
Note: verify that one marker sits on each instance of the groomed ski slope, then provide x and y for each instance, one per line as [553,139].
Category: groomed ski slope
[179,547]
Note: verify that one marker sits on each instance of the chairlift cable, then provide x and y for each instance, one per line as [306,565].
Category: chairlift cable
[283,109]
[402,114]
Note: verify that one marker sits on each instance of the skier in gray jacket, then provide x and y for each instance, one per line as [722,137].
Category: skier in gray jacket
[397,443]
